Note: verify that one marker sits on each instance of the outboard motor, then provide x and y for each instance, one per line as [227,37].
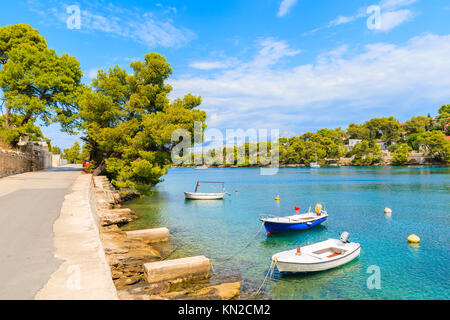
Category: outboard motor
[344,237]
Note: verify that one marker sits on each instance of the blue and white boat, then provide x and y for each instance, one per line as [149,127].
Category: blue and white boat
[296,222]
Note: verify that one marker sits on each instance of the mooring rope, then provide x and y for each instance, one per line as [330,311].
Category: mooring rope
[266,280]
[221,261]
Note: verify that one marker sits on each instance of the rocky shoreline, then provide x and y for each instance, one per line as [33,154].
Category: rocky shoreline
[126,256]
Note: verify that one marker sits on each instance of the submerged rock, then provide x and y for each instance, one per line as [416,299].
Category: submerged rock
[126,256]
[225,291]
[117,217]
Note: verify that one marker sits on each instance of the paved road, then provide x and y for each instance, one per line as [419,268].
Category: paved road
[29,205]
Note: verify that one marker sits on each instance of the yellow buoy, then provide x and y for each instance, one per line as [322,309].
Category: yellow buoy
[388,210]
[318,208]
[277,198]
[413,239]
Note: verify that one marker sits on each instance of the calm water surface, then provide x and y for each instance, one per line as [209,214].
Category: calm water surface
[355,199]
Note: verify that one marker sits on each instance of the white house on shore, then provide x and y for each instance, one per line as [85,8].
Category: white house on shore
[383,145]
[353,142]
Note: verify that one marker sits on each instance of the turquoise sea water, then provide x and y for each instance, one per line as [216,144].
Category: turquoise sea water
[355,199]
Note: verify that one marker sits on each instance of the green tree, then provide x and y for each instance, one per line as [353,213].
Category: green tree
[72,154]
[366,153]
[85,152]
[436,145]
[387,129]
[443,119]
[311,147]
[418,124]
[401,154]
[36,83]
[356,131]
[414,141]
[55,150]
[129,120]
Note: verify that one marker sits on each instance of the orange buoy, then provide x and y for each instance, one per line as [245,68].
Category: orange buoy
[297,208]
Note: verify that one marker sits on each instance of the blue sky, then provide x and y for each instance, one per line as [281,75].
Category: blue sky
[293,65]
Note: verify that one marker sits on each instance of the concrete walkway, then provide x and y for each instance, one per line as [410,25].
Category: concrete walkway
[29,205]
[84,273]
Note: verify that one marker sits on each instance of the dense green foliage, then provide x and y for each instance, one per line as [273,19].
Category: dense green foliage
[73,154]
[311,147]
[55,150]
[37,84]
[420,134]
[443,119]
[418,124]
[128,121]
[400,153]
[366,153]
[435,144]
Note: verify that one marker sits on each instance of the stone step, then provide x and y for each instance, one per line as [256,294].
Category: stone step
[177,270]
[150,235]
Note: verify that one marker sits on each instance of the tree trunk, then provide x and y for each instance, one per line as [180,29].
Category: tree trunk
[26,118]
[98,171]
[7,117]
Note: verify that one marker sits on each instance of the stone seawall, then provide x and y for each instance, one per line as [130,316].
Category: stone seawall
[130,256]
[17,162]
[14,162]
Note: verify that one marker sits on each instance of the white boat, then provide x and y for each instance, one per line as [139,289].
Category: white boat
[314,165]
[320,256]
[206,196]
[204,167]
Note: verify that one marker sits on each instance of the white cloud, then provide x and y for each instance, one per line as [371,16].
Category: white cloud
[342,20]
[337,88]
[285,7]
[147,28]
[394,4]
[272,51]
[153,32]
[392,19]
[210,65]
[333,54]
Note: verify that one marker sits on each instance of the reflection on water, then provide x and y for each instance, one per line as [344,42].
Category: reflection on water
[205,203]
[309,285]
[355,199]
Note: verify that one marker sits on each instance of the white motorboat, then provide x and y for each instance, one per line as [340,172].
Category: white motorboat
[204,167]
[206,196]
[314,165]
[320,256]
